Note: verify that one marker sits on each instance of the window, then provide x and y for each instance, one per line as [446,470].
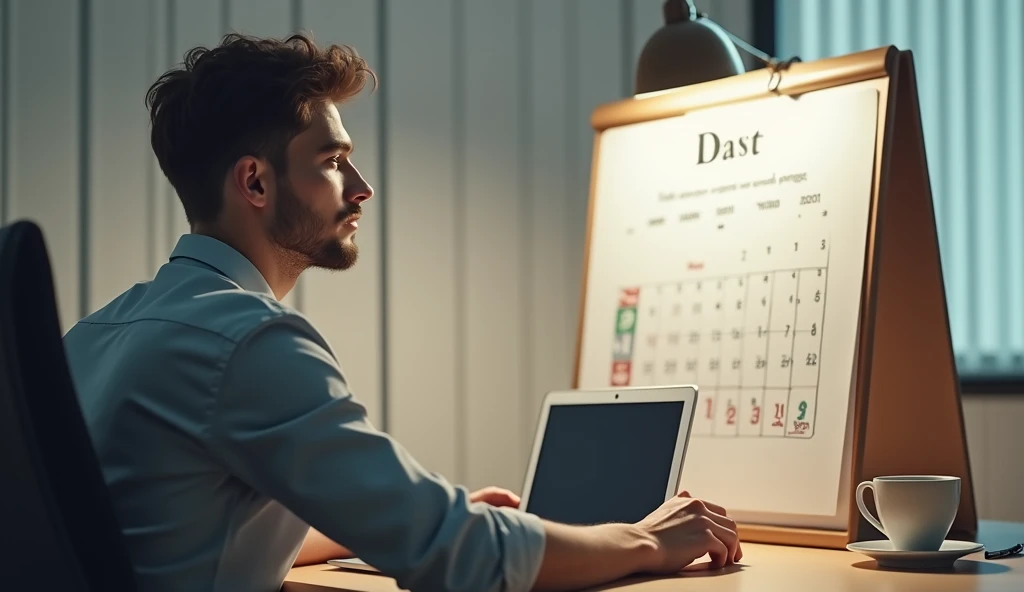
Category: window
[970,74]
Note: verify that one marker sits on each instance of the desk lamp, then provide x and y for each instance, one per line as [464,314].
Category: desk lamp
[689,49]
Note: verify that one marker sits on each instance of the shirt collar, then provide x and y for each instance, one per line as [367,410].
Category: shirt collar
[223,258]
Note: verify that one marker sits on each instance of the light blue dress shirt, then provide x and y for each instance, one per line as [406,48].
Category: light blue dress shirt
[225,428]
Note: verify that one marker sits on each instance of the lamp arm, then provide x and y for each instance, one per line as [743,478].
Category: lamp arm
[773,63]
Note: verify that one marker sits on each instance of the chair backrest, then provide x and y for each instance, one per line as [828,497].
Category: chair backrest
[57,523]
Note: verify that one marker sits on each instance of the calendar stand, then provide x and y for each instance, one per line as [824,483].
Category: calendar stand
[905,366]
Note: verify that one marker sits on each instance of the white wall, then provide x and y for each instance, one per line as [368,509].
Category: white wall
[462,311]
[993,429]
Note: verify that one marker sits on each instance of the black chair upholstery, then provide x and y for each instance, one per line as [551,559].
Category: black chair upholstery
[58,530]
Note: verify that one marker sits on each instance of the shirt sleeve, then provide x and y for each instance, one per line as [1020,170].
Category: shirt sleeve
[285,422]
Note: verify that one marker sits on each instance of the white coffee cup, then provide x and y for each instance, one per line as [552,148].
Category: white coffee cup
[915,512]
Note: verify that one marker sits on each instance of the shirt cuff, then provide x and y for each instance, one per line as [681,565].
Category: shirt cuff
[524,551]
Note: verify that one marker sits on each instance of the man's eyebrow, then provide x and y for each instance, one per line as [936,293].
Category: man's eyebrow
[336,146]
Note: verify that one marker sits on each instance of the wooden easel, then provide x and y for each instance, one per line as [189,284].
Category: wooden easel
[905,364]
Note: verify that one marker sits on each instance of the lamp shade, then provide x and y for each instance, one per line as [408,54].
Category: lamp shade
[687,50]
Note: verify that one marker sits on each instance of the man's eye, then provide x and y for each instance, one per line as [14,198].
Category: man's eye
[336,161]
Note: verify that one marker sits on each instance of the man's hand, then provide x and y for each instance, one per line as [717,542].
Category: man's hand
[674,535]
[684,529]
[495,496]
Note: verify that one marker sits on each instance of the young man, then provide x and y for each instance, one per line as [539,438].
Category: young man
[226,430]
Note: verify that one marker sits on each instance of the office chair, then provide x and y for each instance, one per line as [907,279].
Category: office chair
[58,530]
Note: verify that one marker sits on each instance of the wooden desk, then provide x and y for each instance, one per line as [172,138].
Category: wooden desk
[770,568]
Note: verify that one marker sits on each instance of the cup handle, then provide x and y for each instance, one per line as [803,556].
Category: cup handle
[864,509]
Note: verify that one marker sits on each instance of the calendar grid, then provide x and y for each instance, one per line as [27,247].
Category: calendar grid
[718,369]
[754,272]
[767,346]
[792,347]
[751,388]
[824,303]
[743,335]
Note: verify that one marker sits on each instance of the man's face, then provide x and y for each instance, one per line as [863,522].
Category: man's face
[318,201]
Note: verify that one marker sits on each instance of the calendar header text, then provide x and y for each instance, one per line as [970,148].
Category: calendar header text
[711,147]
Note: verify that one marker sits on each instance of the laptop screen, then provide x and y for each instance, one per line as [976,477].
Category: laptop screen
[604,463]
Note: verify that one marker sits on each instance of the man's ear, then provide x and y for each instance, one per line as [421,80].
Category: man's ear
[250,177]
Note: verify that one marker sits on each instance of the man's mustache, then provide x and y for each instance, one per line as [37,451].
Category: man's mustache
[349,212]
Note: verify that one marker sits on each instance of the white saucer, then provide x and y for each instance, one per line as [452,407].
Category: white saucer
[882,552]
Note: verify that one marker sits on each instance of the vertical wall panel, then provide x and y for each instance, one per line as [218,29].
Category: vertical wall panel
[421,228]
[955,129]
[1012,87]
[647,17]
[4,105]
[987,179]
[44,135]
[492,226]
[119,150]
[929,85]
[810,30]
[268,18]
[788,33]
[840,34]
[550,176]
[871,34]
[347,306]
[595,64]
[898,18]
[162,202]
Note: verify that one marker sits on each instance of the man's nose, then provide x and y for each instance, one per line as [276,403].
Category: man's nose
[364,193]
[357,189]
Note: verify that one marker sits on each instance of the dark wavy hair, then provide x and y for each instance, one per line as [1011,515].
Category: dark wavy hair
[246,96]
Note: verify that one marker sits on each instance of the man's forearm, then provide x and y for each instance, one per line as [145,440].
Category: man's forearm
[317,548]
[581,556]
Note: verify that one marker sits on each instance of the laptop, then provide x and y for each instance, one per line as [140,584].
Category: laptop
[608,455]
[603,455]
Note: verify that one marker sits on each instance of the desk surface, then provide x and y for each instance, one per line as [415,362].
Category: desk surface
[769,568]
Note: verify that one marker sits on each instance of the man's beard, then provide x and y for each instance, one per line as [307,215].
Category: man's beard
[297,229]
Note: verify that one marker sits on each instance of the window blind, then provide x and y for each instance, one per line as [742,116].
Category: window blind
[968,59]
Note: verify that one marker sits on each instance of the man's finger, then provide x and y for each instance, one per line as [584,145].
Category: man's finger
[717,513]
[486,492]
[714,507]
[720,518]
[716,549]
[496,496]
[727,535]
